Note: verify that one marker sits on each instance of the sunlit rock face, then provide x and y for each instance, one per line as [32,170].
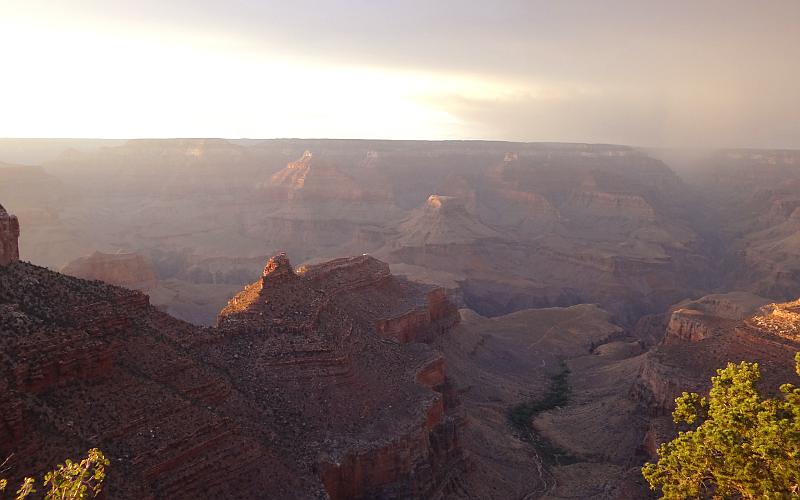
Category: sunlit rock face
[442,220]
[693,321]
[704,335]
[9,238]
[311,178]
[707,333]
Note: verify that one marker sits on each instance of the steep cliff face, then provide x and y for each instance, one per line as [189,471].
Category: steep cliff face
[692,321]
[703,335]
[602,204]
[296,394]
[9,238]
[316,180]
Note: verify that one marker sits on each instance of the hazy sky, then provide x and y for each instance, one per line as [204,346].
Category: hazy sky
[655,73]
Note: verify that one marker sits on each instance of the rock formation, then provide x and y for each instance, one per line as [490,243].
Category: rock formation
[314,179]
[555,227]
[705,335]
[541,224]
[692,321]
[345,378]
[443,220]
[303,391]
[9,238]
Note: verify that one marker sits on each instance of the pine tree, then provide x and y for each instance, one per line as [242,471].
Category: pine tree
[743,446]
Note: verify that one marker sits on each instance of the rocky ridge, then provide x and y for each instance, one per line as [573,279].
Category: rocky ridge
[704,335]
[298,383]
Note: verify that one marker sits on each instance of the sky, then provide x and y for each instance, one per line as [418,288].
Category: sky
[679,73]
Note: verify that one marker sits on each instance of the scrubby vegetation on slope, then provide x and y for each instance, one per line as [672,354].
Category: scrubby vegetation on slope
[69,481]
[522,415]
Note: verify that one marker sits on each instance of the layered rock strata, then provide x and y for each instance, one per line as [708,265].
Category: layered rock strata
[703,336]
[296,394]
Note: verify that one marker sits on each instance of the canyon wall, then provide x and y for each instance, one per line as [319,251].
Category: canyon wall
[9,238]
[504,226]
[296,393]
[704,335]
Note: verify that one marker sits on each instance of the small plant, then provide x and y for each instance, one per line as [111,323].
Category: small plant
[743,446]
[70,480]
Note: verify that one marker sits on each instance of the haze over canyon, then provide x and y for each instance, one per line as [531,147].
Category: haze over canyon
[415,293]
[438,250]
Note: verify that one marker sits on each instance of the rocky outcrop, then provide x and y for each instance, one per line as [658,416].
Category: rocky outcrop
[688,325]
[443,220]
[363,282]
[781,320]
[422,323]
[693,321]
[705,334]
[312,179]
[9,238]
[296,393]
[309,323]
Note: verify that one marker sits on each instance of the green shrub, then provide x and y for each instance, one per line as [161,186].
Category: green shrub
[521,415]
[743,446]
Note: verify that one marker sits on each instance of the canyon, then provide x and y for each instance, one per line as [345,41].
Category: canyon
[439,286]
[502,226]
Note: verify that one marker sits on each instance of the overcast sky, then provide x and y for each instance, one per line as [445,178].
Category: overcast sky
[652,73]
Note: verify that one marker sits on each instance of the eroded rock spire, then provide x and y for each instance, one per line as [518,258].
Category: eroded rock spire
[9,238]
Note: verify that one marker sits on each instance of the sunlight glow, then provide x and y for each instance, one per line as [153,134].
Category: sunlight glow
[62,82]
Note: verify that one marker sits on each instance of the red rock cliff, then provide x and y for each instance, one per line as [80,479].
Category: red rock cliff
[295,394]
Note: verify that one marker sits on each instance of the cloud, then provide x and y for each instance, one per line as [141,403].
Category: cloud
[712,73]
